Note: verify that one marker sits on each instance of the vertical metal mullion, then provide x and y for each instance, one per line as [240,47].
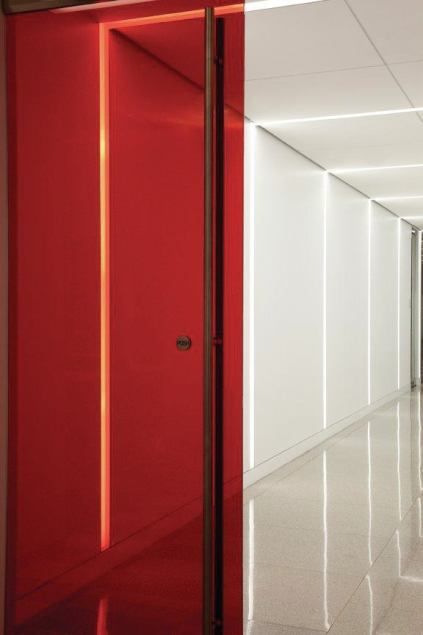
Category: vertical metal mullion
[208,520]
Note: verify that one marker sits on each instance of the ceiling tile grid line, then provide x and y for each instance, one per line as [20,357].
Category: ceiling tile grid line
[367,34]
[331,58]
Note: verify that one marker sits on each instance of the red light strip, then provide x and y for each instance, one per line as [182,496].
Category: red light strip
[229,8]
[155,19]
[104,287]
[102,617]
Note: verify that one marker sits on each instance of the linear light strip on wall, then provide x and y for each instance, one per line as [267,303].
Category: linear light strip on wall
[324,316]
[399,304]
[369,306]
[419,303]
[252,194]
[104,292]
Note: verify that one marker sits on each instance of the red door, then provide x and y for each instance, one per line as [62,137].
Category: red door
[113,527]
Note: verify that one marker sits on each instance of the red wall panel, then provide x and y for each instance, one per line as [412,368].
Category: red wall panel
[55,299]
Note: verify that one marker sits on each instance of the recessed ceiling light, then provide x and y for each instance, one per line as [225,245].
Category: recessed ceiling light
[375,168]
[260,5]
[355,115]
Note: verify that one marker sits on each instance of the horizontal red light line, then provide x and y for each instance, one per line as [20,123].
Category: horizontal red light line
[155,19]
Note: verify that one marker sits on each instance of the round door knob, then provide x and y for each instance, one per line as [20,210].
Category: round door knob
[183,343]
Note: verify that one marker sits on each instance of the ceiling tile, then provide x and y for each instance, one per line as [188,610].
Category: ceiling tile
[410,76]
[339,92]
[343,134]
[395,27]
[308,38]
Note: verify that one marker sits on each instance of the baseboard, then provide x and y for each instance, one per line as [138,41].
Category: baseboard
[267,467]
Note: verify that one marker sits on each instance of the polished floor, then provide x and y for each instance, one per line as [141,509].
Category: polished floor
[334,540]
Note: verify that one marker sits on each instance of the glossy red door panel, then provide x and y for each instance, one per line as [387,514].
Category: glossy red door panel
[106,128]
[156,265]
[55,296]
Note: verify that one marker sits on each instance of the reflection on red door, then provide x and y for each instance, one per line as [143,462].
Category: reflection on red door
[106,116]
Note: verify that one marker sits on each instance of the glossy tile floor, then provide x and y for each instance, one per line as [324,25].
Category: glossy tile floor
[334,540]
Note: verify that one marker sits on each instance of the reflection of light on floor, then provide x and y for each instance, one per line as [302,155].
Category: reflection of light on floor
[412,578]
[369,458]
[399,304]
[419,441]
[369,582]
[399,552]
[324,352]
[419,308]
[399,460]
[325,539]
[251,560]
[102,617]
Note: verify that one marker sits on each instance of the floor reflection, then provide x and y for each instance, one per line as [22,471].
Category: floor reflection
[158,592]
[335,539]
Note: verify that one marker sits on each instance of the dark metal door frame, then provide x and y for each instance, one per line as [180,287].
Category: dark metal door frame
[208,604]
[213,323]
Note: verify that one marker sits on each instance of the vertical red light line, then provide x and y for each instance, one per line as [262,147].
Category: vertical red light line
[104,287]
[102,617]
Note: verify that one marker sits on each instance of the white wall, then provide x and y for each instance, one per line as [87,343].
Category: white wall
[416,307]
[288,299]
[325,336]
[405,304]
[384,303]
[347,226]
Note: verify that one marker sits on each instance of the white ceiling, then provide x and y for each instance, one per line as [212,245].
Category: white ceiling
[341,57]
[412,209]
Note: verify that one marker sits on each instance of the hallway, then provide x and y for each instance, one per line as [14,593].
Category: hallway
[333,541]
